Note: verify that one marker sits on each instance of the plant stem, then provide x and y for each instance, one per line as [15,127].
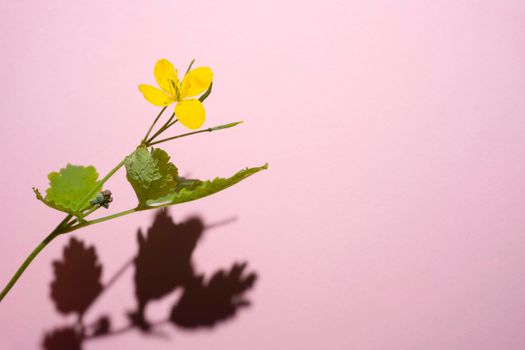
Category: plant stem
[162,128]
[220,127]
[170,124]
[102,219]
[90,211]
[102,182]
[57,231]
[165,126]
[153,124]
[108,175]
[179,136]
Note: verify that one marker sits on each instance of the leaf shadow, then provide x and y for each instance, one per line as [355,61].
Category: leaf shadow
[77,280]
[163,264]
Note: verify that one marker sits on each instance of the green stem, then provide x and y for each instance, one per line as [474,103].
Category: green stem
[170,124]
[165,126]
[57,231]
[102,219]
[102,182]
[162,128]
[108,175]
[90,211]
[179,136]
[153,124]
[220,127]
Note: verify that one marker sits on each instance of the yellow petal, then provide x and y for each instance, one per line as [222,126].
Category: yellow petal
[190,113]
[196,81]
[167,76]
[155,96]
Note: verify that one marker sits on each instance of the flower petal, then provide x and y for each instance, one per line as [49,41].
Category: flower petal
[155,96]
[196,81]
[190,113]
[167,76]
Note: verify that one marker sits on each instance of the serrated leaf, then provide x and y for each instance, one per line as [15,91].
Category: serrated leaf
[43,200]
[190,190]
[69,188]
[151,174]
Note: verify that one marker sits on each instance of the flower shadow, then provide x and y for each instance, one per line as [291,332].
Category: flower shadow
[162,265]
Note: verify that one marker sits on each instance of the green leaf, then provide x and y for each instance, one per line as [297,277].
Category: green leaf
[69,188]
[151,174]
[156,182]
[43,200]
[190,190]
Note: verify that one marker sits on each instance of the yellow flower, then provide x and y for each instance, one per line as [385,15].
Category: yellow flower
[189,111]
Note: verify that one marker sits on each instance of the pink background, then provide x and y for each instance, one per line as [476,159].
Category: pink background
[392,216]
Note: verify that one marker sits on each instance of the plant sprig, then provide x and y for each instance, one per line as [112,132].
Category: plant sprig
[77,191]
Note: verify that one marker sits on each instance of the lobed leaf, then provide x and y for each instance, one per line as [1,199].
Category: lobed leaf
[150,173]
[69,188]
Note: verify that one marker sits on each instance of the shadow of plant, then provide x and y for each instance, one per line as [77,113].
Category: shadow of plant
[162,265]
